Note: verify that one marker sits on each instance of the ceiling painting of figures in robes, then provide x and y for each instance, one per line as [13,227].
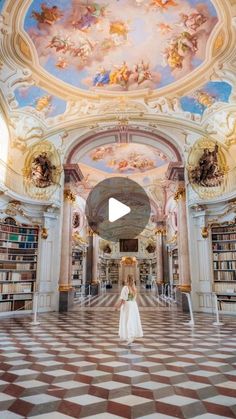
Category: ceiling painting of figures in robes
[206,96]
[126,159]
[43,102]
[120,45]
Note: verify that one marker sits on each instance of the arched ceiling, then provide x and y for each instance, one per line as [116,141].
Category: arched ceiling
[130,47]
[73,69]
[121,45]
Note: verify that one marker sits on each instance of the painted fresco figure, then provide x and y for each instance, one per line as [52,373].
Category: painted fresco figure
[48,15]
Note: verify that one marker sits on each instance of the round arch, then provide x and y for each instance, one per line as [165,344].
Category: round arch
[157,140]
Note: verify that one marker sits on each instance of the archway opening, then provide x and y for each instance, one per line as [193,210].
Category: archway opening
[145,158]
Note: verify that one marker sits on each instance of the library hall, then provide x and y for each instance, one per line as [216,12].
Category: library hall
[117,209]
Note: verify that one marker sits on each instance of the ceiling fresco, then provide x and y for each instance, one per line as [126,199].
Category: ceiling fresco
[1,4]
[41,100]
[120,45]
[124,159]
[206,96]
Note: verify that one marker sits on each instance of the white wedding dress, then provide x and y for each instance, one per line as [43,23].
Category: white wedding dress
[130,324]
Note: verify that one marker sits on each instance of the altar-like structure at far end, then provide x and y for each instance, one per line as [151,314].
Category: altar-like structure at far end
[128,266]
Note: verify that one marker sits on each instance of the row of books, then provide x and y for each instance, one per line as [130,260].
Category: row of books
[19,245]
[224,246]
[223,230]
[224,256]
[12,296]
[6,306]
[15,288]
[18,266]
[17,276]
[75,277]
[224,276]
[18,258]
[225,287]
[21,230]
[225,265]
[18,237]
[231,236]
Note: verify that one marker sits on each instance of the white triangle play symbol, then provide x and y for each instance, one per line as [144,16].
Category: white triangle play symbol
[117,210]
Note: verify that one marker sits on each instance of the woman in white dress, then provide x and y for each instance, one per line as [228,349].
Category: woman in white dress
[130,326]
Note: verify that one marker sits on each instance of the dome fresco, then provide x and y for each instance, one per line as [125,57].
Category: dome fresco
[120,45]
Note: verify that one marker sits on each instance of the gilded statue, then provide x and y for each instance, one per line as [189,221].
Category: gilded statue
[207,172]
[42,171]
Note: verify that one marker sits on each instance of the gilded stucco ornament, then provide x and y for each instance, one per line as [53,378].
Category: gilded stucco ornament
[151,246]
[180,194]
[172,240]
[231,136]
[105,246]
[205,232]
[79,240]
[44,233]
[42,170]
[207,168]
[69,196]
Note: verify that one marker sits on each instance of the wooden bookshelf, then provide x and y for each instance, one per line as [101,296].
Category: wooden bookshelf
[102,269]
[175,266]
[154,267]
[77,267]
[113,271]
[224,262]
[18,265]
[144,270]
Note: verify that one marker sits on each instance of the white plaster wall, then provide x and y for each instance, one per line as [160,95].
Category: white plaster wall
[49,264]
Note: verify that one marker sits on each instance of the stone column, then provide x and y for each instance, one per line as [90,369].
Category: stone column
[95,258]
[182,240]
[89,259]
[65,287]
[159,253]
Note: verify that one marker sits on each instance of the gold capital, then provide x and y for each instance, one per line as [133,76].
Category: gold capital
[184,288]
[205,232]
[180,194]
[44,233]
[65,287]
[69,196]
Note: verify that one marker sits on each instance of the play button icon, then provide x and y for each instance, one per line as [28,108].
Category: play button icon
[117,208]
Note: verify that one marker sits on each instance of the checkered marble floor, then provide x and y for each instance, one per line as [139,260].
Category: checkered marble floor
[73,365]
[145,300]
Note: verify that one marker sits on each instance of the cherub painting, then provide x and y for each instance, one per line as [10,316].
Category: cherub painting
[120,45]
[48,15]
[163,4]
[125,158]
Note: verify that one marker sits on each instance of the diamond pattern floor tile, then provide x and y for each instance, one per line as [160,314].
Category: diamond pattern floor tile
[73,365]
